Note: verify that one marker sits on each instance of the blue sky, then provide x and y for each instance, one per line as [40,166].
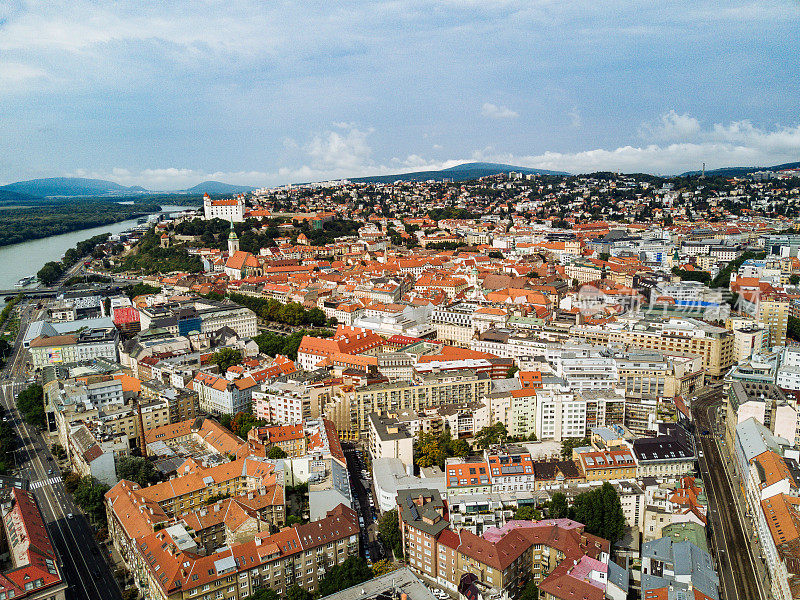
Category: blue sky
[167,94]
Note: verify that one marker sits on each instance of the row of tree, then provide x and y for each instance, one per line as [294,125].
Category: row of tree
[89,494]
[273,344]
[53,270]
[30,403]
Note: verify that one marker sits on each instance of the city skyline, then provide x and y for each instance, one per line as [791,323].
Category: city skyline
[166,97]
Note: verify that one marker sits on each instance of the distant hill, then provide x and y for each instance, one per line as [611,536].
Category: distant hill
[458,173]
[217,187]
[739,171]
[70,186]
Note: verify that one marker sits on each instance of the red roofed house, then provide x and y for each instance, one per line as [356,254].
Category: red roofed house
[35,567]
[348,340]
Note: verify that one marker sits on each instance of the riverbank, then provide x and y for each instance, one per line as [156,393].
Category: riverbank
[24,259]
[26,224]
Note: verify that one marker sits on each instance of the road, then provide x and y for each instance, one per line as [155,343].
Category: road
[82,561]
[369,530]
[735,561]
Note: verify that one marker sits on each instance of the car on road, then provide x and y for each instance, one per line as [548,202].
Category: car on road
[700,454]
[69,515]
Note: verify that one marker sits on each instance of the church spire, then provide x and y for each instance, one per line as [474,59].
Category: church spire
[233,241]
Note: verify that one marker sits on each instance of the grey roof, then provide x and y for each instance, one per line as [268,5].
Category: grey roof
[618,576]
[686,560]
[402,580]
[755,439]
[415,515]
[382,424]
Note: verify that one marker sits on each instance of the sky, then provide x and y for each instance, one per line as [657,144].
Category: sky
[169,94]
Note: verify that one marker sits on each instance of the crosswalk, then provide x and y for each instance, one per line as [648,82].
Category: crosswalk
[37,484]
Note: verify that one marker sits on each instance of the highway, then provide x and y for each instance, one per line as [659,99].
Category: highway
[82,562]
[735,560]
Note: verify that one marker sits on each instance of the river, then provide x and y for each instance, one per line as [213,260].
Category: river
[20,260]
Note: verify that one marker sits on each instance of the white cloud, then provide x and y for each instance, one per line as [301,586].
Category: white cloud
[671,127]
[346,153]
[340,151]
[737,144]
[493,111]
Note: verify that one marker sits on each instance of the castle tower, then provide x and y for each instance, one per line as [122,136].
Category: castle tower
[233,242]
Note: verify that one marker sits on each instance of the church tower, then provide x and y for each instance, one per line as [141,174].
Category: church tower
[233,242]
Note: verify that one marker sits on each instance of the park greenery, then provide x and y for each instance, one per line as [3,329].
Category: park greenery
[53,270]
[432,450]
[292,313]
[276,452]
[149,257]
[568,444]
[31,223]
[141,289]
[599,510]
[30,403]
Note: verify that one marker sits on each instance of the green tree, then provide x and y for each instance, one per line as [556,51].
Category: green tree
[276,452]
[512,370]
[352,571]
[31,404]
[600,511]
[297,593]
[225,358]
[389,528]
[265,594]
[558,508]
[568,444]
[794,279]
[526,512]
[530,591]
[491,434]
[793,329]
[137,469]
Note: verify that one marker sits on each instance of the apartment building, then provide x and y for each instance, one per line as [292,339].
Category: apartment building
[388,438]
[85,344]
[347,340]
[556,554]
[511,468]
[453,323]
[33,567]
[668,336]
[468,475]
[608,465]
[350,409]
[221,396]
[773,313]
